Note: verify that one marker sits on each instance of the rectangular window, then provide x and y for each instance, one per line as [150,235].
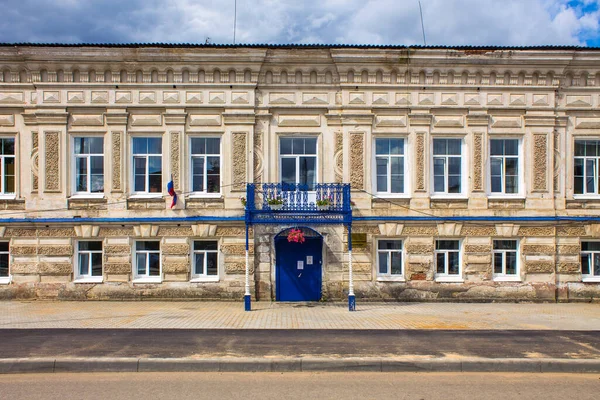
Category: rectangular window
[447,258]
[89,164]
[7,165]
[147,165]
[447,166]
[389,258]
[147,260]
[89,260]
[389,165]
[586,168]
[206,165]
[590,261]
[298,161]
[205,260]
[4,261]
[504,166]
[505,253]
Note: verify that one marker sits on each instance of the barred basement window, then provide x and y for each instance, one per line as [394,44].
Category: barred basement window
[89,261]
[205,260]
[590,261]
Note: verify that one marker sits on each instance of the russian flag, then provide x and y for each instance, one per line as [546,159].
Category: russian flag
[172,193]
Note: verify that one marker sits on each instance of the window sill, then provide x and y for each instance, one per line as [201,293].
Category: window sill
[5,280]
[449,279]
[505,197]
[97,279]
[591,280]
[391,279]
[392,195]
[205,196]
[12,196]
[205,279]
[147,280]
[146,196]
[507,279]
[451,196]
[86,196]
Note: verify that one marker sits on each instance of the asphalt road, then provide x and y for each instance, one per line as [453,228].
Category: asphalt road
[179,343]
[305,386]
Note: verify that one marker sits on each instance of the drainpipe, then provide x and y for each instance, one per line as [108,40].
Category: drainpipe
[351,300]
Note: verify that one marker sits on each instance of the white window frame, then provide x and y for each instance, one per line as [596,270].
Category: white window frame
[504,277]
[463,169]
[589,277]
[88,278]
[3,194]
[205,194]
[388,276]
[521,166]
[297,157]
[74,157]
[585,194]
[5,280]
[147,193]
[204,277]
[445,277]
[405,156]
[147,278]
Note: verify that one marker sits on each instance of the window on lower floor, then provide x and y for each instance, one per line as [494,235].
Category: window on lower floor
[147,259]
[590,260]
[505,258]
[447,258]
[89,260]
[4,260]
[389,258]
[205,259]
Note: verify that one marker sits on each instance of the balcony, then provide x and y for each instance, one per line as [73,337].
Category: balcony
[282,203]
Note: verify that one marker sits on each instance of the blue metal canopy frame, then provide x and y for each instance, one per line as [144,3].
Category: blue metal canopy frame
[299,204]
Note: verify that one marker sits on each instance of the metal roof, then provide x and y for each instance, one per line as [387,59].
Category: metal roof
[302,46]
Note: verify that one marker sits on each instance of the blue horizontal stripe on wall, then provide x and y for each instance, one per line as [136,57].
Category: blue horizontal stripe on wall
[241,219]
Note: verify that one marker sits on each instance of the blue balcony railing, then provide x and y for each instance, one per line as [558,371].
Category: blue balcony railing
[292,203]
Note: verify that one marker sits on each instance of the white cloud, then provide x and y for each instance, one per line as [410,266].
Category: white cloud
[448,22]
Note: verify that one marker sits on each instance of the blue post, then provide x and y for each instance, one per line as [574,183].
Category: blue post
[247,299]
[351,299]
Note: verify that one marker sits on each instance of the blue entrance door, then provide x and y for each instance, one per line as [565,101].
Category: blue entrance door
[298,269]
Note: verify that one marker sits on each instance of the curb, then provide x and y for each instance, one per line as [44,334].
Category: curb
[52,365]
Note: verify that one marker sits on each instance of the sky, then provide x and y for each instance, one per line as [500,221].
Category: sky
[447,22]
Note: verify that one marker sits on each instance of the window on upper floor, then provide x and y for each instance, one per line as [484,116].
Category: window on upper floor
[205,165]
[590,261]
[4,262]
[147,165]
[7,149]
[205,260]
[298,161]
[89,261]
[506,261]
[389,165]
[147,260]
[504,166]
[447,166]
[586,167]
[389,259]
[88,153]
[447,260]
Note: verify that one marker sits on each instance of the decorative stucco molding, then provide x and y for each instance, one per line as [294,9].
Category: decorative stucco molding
[239,161]
[357,154]
[34,161]
[116,162]
[477,162]
[420,161]
[175,165]
[540,163]
[52,161]
[339,156]
[258,152]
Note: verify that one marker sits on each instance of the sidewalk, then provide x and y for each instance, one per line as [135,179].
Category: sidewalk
[221,336]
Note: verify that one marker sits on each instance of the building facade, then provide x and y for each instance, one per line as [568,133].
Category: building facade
[464,174]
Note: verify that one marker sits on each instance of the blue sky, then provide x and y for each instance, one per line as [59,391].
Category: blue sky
[447,22]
